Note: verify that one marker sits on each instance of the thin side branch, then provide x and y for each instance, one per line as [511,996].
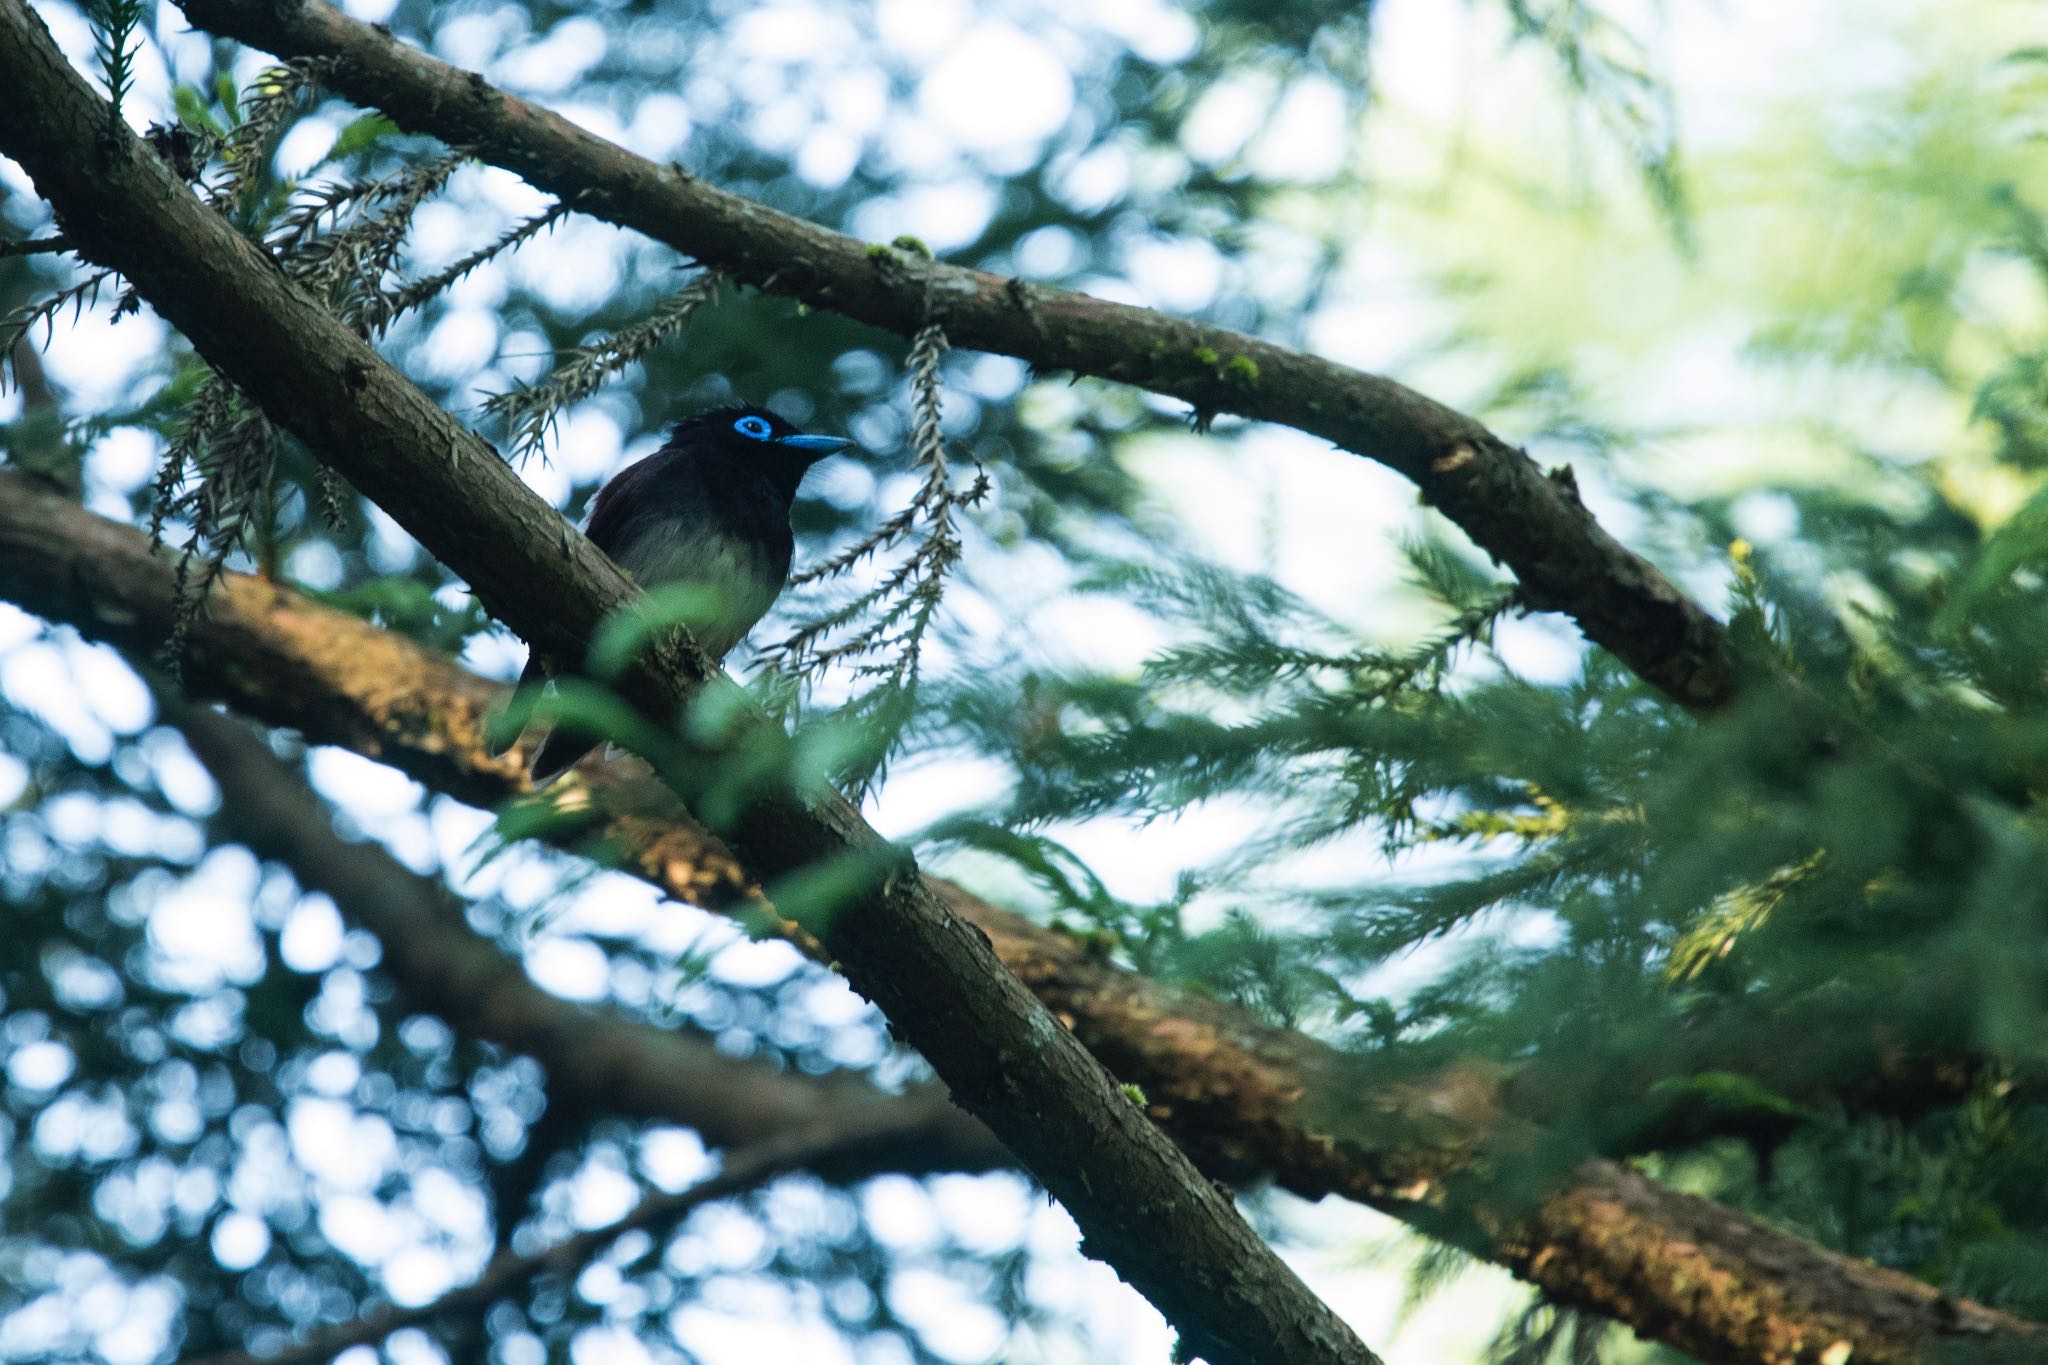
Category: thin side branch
[508,1274]
[35,246]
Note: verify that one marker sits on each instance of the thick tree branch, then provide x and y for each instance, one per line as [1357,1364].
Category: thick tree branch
[1248,1101]
[1142,1206]
[598,1061]
[1534,523]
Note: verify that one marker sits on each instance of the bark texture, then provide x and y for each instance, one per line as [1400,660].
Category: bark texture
[1246,1100]
[1141,1205]
[1529,520]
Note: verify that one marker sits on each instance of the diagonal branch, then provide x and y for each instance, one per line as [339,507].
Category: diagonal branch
[1248,1101]
[598,1061]
[1141,1204]
[1534,523]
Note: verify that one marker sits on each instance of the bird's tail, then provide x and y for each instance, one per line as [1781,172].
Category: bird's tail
[533,676]
[563,748]
[559,752]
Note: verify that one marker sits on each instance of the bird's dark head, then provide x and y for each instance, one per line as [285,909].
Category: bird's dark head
[754,433]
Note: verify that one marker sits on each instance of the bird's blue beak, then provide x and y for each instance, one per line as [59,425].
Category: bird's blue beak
[820,446]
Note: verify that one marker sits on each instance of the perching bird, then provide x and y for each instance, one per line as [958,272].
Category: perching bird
[709,510]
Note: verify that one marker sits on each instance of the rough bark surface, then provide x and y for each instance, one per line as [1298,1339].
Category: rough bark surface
[1246,1100]
[1141,1205]
[1531,521]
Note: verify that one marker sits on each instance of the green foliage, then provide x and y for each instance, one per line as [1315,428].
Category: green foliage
[253,120]
[1610,68]
[413,609]
[116,31]
[219,476]
[1546,1332]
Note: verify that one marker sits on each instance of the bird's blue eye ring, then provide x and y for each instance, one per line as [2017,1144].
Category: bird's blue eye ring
[756,427]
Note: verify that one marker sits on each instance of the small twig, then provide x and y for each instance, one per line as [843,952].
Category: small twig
[36,246]
[15,328]
[531,410]
[411,296]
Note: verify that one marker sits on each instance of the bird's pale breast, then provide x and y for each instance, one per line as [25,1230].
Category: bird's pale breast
[734,580]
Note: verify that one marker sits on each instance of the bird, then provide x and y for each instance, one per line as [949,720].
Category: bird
[709,510]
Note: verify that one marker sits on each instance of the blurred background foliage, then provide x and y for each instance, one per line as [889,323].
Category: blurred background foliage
[1230,699]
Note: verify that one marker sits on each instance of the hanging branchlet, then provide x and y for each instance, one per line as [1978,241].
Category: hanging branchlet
[347,268]
[387,306]
[23,320]
[879,635]
[341,242]
[332,496]
[267,102]
[230,450]
[531,410]
[203,416]
[216,475]
[1615,76]
[1548,1331]
[367,304]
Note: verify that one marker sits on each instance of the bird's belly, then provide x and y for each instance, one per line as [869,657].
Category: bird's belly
[717,586]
